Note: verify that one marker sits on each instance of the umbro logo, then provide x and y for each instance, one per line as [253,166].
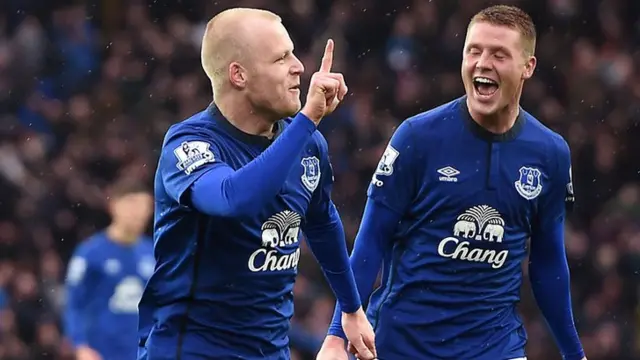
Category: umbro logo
[448,174]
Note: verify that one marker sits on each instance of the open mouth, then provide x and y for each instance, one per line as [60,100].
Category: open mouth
[485,86]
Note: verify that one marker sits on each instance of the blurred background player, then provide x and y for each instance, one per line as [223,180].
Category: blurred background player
[236,186]
[458,193]
[106,278]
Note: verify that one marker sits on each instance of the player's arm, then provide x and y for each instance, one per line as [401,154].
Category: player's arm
[390,193]
[376,231]
[325,235]
[213,187]
[79,282]
[548,267]
[219,190]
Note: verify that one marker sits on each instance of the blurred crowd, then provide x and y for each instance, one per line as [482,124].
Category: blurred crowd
[88,88]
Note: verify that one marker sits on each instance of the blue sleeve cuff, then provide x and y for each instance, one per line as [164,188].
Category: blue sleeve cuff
[335,328]
[336,331]
[575,356]
[302,120]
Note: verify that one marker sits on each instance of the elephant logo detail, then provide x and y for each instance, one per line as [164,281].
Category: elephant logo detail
[281,229]
[465,229]
[480,222]
[493,233]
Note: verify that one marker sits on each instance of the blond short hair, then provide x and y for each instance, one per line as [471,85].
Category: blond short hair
[224,41]
[511,17]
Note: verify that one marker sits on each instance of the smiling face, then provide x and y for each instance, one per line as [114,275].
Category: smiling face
[497,59]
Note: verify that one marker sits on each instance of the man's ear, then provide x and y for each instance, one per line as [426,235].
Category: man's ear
[237,75]
[529,67]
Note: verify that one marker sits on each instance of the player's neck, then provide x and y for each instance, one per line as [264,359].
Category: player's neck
[500,122]
[243,115]
[120,235]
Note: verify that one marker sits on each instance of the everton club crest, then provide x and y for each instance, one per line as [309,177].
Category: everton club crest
[529,185]
[311,172]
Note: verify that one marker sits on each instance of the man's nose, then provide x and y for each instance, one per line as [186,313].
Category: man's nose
[484,62]
[298,67]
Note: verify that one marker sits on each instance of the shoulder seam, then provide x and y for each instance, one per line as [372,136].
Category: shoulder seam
[189,130]
[413,143]
[560,146]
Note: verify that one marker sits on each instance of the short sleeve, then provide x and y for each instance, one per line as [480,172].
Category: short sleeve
[76,270]
[81,266]
[186,155]
[559,198]
[393,183]
[80,280]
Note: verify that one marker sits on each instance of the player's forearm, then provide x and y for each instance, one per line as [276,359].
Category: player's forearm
[327,242]
[73,326]
[74,312]
[228,193]
[550,281]
[376,230]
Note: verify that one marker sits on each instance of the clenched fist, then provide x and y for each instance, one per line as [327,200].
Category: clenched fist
[326,90]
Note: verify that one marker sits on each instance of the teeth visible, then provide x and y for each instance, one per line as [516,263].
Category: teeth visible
[484,80]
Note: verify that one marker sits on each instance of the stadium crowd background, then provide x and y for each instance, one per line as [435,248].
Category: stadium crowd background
[87,90]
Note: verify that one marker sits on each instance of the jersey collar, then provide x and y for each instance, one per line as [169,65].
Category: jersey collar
[487,135]
[215,113]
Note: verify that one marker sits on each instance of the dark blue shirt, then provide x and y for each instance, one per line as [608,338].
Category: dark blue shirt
[105,281]
[224,281]
[463,203]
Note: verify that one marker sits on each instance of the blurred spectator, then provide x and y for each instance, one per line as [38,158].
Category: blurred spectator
[87,90]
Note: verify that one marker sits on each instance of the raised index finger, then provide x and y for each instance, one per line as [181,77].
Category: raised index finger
[327,58]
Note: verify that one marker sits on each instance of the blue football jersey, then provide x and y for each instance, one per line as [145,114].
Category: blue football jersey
[104,284]
[469,201]
[223,287]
